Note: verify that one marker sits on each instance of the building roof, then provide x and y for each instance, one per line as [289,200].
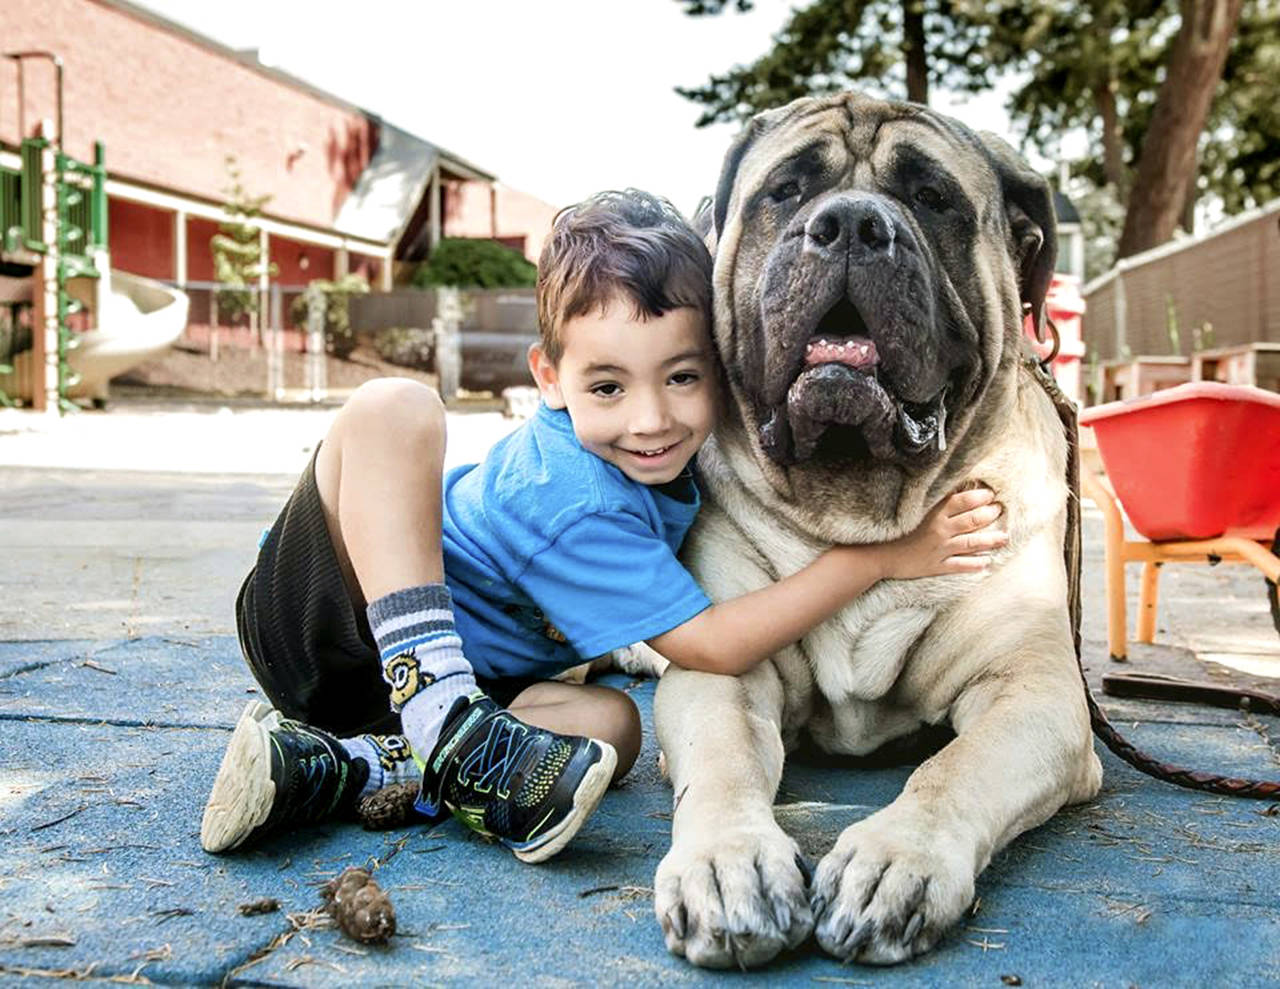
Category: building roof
[390,187]
[1064,208]
[388,191]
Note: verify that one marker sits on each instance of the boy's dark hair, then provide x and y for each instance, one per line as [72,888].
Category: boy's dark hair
[629,244]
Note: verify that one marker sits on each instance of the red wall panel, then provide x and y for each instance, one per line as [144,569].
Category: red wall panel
[199,254]
[297,263]
[140,238]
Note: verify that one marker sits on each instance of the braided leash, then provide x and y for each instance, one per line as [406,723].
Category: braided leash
[1179,776]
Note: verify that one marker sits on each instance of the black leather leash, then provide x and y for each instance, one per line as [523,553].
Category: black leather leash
[1112,739]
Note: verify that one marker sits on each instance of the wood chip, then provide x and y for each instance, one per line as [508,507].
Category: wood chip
[40,941]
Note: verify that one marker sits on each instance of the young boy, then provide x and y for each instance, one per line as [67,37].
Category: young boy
[407,629]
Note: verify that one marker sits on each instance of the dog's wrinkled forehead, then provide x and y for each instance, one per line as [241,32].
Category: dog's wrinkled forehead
[852,141]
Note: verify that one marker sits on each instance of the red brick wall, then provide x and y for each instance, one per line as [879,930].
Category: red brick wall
[520,214]
[170,110]
[466,209]
[469,209]
[140,239]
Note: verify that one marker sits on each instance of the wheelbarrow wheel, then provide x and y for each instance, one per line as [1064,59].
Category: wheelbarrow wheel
[1271,586]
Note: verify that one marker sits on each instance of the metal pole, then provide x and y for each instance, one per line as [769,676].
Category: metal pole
[99,206]
[316,383]
[448,343]
[275,350]
[57,65]
[264,275]
[48,329]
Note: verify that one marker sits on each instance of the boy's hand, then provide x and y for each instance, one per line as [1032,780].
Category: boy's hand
[955,537]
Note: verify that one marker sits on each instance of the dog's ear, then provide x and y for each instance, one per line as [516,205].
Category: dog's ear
[1033,228]
[703,223]
[729,171]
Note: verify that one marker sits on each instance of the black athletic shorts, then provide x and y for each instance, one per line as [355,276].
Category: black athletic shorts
[306,641]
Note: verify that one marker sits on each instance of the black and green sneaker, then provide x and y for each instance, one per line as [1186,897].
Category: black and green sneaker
[277,775]
[528,787]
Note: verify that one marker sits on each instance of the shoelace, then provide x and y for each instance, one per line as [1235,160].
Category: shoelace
[495,762]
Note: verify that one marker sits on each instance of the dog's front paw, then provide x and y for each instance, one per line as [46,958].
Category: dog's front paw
[889,889]
[733,899]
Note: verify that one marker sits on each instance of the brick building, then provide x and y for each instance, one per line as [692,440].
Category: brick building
[348,192]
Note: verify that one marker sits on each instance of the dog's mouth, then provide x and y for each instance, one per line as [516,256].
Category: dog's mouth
[842,405]
[842,337]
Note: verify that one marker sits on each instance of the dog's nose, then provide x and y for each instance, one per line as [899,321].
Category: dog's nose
[860,224]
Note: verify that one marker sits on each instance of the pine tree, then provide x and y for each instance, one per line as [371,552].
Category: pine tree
[238,263]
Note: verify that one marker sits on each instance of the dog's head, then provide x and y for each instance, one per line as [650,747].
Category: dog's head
[873,264]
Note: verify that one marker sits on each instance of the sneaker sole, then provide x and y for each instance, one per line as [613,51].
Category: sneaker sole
[243,792]
[585,799]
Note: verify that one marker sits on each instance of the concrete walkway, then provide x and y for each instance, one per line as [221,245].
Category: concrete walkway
[120,678]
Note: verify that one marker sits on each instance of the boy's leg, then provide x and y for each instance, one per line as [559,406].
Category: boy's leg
[584,709]
[379,476]
[372,493]
[378,480]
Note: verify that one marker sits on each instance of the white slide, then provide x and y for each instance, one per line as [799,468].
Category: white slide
[140,318]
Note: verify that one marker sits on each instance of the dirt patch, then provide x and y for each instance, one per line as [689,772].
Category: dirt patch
[189,370]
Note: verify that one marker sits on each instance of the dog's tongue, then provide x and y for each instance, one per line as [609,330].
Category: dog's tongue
[855,352]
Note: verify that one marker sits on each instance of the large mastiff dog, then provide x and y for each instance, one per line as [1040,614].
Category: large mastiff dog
[873,262]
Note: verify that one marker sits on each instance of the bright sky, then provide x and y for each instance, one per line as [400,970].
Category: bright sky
[558,98]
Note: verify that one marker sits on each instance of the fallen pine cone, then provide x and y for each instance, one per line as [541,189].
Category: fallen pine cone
[390,807]
[363,911]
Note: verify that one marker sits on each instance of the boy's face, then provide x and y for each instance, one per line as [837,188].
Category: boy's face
[641,392]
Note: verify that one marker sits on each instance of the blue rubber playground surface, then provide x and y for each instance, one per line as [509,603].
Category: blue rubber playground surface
[120,681]
[110,746]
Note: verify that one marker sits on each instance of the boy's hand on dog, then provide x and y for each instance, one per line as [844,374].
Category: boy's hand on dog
[957,536]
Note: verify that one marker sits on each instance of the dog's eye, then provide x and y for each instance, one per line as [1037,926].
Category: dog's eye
[928,196]
[787,190]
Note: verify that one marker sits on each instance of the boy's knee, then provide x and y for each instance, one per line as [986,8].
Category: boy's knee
[397,408]
[625,732]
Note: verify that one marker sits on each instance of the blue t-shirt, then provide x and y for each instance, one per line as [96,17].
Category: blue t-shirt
[554,556]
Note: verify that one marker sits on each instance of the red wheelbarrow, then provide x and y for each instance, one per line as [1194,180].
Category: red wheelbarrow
[1197,469]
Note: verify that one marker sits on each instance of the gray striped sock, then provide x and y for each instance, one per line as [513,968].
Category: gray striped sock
[388,758]
[421,658]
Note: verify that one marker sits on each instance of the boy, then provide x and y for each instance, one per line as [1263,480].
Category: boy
[559,547]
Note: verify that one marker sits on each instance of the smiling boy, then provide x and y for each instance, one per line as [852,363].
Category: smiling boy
[385,600]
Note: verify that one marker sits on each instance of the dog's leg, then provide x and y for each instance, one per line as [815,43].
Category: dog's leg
[897,881]
[731,890]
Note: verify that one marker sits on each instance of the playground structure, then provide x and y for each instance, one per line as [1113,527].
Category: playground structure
[72,323]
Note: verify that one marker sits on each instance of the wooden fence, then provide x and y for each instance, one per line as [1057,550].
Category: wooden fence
[1221,290]
[485,310]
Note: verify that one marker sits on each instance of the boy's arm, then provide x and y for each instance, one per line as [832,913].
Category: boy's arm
[736,635]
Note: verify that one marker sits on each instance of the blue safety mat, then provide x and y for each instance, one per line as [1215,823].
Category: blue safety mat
[110,747]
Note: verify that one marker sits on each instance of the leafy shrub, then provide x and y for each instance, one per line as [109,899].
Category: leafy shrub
[339,337]
[407,346]
[464,262]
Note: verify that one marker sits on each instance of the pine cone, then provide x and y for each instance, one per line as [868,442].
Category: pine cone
[390,807]
[363,911]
